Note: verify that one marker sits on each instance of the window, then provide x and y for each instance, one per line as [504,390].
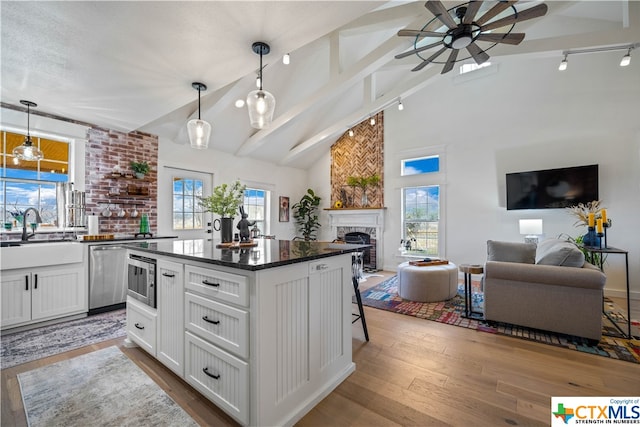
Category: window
[420,220]
[187,212]
[421,165]
[33,183]
[255,205]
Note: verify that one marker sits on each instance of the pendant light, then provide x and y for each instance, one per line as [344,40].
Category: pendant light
[260,103]
[199,130]
[27,151]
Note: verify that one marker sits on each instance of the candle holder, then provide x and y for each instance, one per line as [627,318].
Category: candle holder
[606,225]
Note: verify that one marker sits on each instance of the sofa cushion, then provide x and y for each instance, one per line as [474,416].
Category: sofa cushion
[559,252]
[511,252]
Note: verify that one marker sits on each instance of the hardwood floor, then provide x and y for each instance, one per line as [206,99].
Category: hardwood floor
[412,372]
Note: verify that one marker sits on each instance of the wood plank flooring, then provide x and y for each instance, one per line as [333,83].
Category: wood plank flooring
[413,372]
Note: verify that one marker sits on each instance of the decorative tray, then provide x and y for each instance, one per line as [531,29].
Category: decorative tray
[428,263]
[237,245]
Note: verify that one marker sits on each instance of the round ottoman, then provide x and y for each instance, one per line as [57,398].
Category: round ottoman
[427,284]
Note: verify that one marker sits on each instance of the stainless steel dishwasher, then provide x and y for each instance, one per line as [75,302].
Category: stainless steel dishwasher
[107,277]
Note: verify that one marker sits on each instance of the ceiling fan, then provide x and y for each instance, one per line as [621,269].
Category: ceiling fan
[468,31]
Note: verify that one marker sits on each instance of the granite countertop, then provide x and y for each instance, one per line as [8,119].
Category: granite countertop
[268,253]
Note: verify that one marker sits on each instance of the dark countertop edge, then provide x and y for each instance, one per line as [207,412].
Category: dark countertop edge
[249,267]
[127,239]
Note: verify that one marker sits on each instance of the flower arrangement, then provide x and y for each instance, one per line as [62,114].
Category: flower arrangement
[581,212]
[225,199]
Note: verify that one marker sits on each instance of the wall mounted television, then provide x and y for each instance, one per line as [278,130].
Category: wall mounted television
[552,188]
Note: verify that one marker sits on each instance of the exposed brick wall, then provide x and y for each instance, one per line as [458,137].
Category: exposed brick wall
[106,149]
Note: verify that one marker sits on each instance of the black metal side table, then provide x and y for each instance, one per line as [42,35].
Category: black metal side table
[592,251]
[468,270]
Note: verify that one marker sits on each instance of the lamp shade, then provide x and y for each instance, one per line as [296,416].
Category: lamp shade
[530,226]
[199,133]
[27,151]
[261,105]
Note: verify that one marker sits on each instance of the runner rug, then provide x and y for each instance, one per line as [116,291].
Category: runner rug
[102,388]
[22,347]
[385,296]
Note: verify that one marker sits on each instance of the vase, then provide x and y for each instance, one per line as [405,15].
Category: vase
[591,238]
[365,200]
[139,175]
[225,227]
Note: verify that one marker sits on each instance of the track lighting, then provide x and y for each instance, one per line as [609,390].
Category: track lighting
[563,64]
[260,103]
[372,121]
[400,106]
[27,151]
[626,60]
[239,103]
[351,132]
[286,59]
[198,129]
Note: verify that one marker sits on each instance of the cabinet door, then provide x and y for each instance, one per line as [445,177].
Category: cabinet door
[57,292]
[170,287]
[16,298]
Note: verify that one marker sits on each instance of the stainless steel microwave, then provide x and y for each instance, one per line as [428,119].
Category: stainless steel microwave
[141,279]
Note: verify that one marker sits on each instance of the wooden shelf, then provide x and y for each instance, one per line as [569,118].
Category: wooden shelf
[126,178]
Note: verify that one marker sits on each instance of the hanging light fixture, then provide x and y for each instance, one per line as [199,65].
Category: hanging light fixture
[563,64]
[626,60]
[27,151]
[260,103]
[199,130]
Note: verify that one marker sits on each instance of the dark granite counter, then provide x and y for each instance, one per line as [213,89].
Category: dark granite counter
[268,253]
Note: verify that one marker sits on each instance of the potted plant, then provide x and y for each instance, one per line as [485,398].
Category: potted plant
[362,182]
[305,213]
[224,201]
[140,169]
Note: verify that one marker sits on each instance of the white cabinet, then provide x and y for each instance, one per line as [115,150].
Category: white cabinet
[223,286]
[141,325]
[170,288]
[45,293]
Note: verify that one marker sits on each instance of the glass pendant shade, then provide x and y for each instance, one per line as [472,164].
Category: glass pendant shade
[261,105]
[199,133]
[27,151]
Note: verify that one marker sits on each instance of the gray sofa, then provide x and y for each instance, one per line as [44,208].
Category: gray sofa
[548,287]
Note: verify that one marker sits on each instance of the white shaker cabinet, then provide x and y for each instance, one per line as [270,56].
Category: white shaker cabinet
[170,288]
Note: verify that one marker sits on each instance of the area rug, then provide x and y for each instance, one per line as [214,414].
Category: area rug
[22,347]
[102,388]
[385,296]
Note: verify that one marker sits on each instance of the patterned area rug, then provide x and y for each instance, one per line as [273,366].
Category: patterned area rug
[385,297]
[22,347]
[102,388]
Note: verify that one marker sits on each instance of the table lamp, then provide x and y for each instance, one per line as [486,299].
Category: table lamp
[531,229]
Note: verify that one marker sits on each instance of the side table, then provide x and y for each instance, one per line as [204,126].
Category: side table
[599,261]
[468,270]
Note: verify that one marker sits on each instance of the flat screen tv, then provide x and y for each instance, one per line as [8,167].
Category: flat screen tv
[552,188]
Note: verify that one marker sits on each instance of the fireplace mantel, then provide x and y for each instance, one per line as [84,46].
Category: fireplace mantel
[361,219]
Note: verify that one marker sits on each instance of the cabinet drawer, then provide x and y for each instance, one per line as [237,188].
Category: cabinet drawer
[219,376]
[221,324]
[141,325]
[220,285]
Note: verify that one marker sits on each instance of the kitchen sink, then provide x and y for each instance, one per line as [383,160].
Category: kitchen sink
[9,244]
[18,254]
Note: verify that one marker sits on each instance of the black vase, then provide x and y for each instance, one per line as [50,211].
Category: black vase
[225,226]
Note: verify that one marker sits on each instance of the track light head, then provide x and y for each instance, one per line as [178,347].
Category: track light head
[626,60]
[563,64]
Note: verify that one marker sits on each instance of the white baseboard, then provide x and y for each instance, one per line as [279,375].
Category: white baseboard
[621,293]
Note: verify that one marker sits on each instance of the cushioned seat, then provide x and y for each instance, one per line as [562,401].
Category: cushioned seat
[427,284]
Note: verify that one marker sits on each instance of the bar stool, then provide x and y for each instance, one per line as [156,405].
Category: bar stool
[356,289]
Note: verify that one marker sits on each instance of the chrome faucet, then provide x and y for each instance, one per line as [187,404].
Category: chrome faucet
[25,235]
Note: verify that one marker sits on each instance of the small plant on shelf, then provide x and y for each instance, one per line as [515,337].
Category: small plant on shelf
[140,168]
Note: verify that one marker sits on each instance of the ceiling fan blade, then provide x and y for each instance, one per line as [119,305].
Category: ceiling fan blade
[420,33]
[420,49]
[429,59]
[472,9]
[479,55]
[511,38]
[533,12]
[494,11]
[452,59]
[441,13]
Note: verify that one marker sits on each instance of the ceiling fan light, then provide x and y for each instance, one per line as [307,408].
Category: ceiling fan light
[626,60]
[462,42]
[261,105]
[199,133]
[563,64]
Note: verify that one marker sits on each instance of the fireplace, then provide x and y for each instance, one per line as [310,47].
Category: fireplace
[361,226]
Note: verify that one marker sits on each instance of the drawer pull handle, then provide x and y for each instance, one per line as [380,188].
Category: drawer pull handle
[206,319]
[137,325]
[168,275]
[26,282]
[206,282]
[206,371]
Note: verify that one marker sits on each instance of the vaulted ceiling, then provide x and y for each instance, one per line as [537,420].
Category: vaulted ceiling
[129,65]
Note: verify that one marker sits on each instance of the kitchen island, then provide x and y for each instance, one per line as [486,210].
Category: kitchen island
[264,332]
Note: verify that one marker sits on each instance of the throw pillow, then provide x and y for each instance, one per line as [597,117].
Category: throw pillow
[511,252]
[559,252]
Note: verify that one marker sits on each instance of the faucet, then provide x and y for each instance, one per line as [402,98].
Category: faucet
[25,235]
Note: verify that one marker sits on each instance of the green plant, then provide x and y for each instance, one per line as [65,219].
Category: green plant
[363,181]
[305,213]
[225,199]
[140,167]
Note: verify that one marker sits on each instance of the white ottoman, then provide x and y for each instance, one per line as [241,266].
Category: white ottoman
[427,284]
